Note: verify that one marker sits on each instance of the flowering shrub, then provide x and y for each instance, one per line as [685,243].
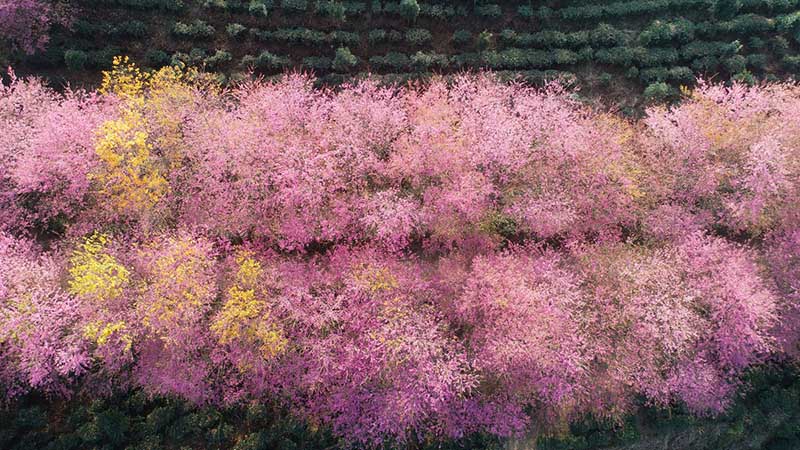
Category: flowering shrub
[25,23]
[396,263]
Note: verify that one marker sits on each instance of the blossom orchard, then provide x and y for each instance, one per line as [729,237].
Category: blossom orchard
[435,260]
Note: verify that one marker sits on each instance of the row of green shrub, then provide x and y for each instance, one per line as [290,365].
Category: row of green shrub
[124,29]
[161,5]
[305,36]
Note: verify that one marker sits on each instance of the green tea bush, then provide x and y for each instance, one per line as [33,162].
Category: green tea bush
[294,6]
[749,24]
[75,59]
[219,58]
[653,74]
[665,32]
[681,74]
[235,30]
[418,36]
[258,8]
[194,30]
[391,60]
[526,11]
[565,57]
[428,60]
[129,29]
[489,11]
[621,56]
[354,8]
[485,40]
[321,63]
[437,11]
[266,60]
[735,63]
[724,9]
[330,8]
[657,92]
[461,37]
[409,9]
[705,64]
[655,56]
[340,37]
[605,35]
[156,58]
[757,61]
[344,60]
[581,13]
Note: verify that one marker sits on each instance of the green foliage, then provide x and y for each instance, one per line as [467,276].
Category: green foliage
[76,59]
[418,36]
[197,29]
[657,92]
[461,37]
[391,60]
[725,9]
[409,9]
[258,8]
[321,63]
[156,58]
[294,6]
[489,11]
[485,40]
[665,32]
[236,30]
[216,60]
[344,60]
[331,8]
[266,60]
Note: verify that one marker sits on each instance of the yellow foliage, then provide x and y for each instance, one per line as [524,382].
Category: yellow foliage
[180,285]
[375,278]
[96,274]
[130,177]
[99,333]
[245,315]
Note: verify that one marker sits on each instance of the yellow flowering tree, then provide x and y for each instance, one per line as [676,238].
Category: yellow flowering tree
[246,317]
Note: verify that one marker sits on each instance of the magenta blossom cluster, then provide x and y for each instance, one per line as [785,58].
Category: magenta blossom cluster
[26,23]
[396,263]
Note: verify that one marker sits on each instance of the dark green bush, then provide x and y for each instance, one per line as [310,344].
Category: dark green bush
[266,60]
[665,32]
[725,9]
[340,37]
[156,58]
[76,59]
[331,8]
[235,30]
[757,61]
[317,62]
[391,60]
[462,37]
[344,60]
[409,9]
[681,74]
[219,58]
[605,35]
[428,60]
[489,10]
[294,6]
[258,8]
[485,40]
[194,30]
[418,36]
[657,92]
[735,63]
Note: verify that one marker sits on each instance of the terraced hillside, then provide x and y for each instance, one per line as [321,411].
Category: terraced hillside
[638,45]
